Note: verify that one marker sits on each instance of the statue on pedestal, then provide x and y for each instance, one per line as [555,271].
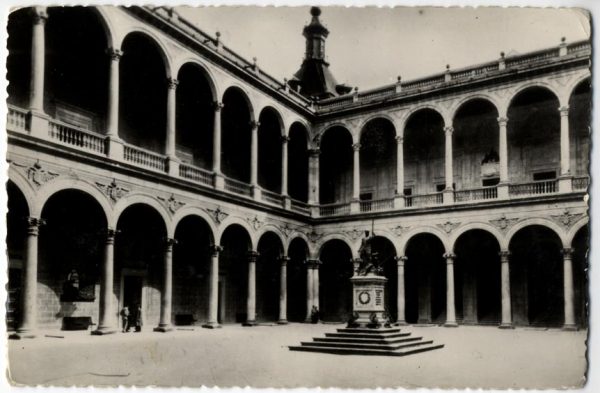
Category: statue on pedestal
[370,262]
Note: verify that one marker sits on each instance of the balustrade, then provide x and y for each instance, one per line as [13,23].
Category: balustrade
[16,119]
[424,200]
[272,197]
[533,188]
[71,135]
[144,157]
[299,207]
[581,183]
[334,209]
[196,174]
[476,194]
[238,187]
[376,205]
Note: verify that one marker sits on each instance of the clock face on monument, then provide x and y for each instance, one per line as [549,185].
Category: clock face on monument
[364,297]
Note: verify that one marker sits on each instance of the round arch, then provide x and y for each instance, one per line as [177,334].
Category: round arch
[383,116]
[25,187]
[533,84]
[583,222]
[161,47]
[272,228]
[420,230]
[471,226]
[335,125]
[575,84]
[229,221]
[204,69]
[408,114]
[474,97]
[335,236]
[144,199]
[245,95]
[303,124]
[544,222]
[106,23]
[277,114]
[197,212]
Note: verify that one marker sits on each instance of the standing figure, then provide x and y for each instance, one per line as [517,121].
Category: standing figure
[125,318]
[137,316]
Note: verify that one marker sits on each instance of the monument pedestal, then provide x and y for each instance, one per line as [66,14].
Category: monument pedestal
[368,298]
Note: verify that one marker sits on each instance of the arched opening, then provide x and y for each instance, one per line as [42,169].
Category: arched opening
[236,135]
[268,266]
[475,145]
[139,261]
[425,280]
[71,248]
[76,76]
[195,117]
[580,111]
[424,143]
[335,288]
[269,150]
[477,278]
[335,167]
[580,245]
[18,62]
[142,93]
[191,271]
[386,253]
[296,280]
[536,277]
[533,136]
[233,269]
[16,235]
[298,163]
[378,154]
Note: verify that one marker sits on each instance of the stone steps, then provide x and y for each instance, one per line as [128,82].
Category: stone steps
[363,341]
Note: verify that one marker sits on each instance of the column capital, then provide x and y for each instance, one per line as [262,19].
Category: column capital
[169,243]
[567,253]
[40,16]
[218,105]
[34,224]
[401,260]
[448,130]
[284,259]
[215,249]
[114,53]
[172,83]
[252,256]
[450,257]
[285,139]
[356,147]
[502,121]
[399,139]
[314,152]
[564,110]
[312,263]
[110,235]
[504,256]
[254,125]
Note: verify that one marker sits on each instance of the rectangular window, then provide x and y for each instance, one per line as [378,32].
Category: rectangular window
[548,175]
[490,182]
[408,191]
[367,196]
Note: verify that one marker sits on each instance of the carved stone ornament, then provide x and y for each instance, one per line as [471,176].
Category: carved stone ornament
[448,226]
[255,222]
[398,230]
[567,219]
[503,223]
[354,234]
[286,230]
[217,214]
[112,190]
[36,174]
[171,203]
[313,236]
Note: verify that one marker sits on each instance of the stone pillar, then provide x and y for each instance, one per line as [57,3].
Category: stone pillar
[284,165]
[505,288]
[283,290]
[309,289]
[213,288]
[115,147]
[171,126]
[164,324]
[254,155]
[313,176]
[106,322]
[569,296]
[251,299]
[28,323]
[38,49]
[449,189]
[503,147]
[316,302]
[400,165]
[450,306]
[565,160]
[216,166]
[400,296]
[356,173]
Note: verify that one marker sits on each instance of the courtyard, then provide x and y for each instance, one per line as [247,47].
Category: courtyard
[473,356]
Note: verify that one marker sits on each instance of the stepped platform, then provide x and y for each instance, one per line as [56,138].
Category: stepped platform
[364,341]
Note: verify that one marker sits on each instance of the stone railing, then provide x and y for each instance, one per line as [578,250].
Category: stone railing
[71,135]
[196,174]
[476,194]
[334,209]
[580,183]
[144,157]
[16,119]
[533,188]
[238,187]
[299,207]
[424,200]
[272,197]
[376,205]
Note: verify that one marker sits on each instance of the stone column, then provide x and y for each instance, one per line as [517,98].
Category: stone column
[283,290]
[356,174]
[284,165]
[309,289]
[401,302]
[106,322]
[254,154]
[565,160]
[313,176]
[503,147]
[400,165]
[164,324]
[316,302]
[216,166]
[505,288]
[449,189]
[112,121]
[38,49]
[251,299]
[450,306]
[171,126]
[569,296]
[213,288]
[28,323]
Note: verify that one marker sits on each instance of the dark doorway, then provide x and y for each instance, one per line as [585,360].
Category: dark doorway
[334,283]
[132,291]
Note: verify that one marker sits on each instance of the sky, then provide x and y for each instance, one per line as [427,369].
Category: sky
[370,47]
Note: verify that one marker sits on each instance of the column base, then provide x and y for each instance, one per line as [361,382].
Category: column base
[249,323]
[451,324]
[448,196]
[212,325]
[401,323]
[256,192]
[569,328]
[219,181]
[21,335]
[282,322]
[355,206]
[103,330]
[506,326]
[163,328]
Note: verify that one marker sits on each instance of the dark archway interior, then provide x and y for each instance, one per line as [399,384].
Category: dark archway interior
[72,240]
[424,143]
[233,268]
[335,288]
[268,265]
[580,111]
[235,135]
[536,277]
[425,280]
[580,276]
[475,145]
[533,135]
[269,150]
[142,93]
[296,281]
[191,271]
[477,278]
[195,117]
[298,163]
[378,151]
[335,166]
[18,62]
[386,253]
[76,79]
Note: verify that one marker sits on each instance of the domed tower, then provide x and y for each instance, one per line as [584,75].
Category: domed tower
[314,79]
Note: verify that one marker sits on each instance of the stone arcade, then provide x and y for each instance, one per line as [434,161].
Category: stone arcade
[149,163]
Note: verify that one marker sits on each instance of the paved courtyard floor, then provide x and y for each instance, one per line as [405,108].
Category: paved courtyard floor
[485,357]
